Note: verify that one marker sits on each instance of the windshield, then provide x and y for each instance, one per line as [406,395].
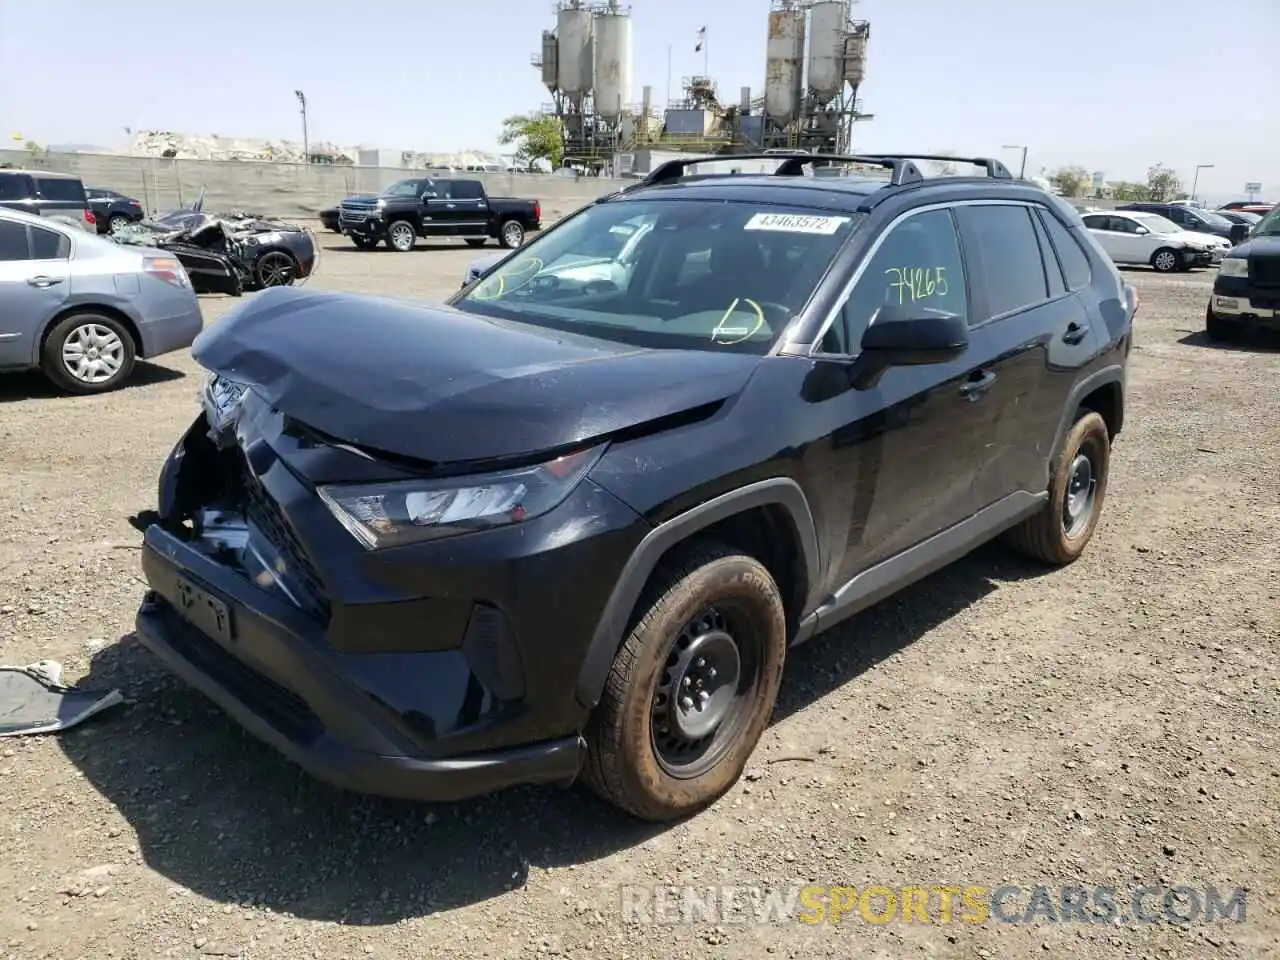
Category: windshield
[1157,224]
[1212,219]
[402,188]
[681,274]
[1243,216]
[1269,225]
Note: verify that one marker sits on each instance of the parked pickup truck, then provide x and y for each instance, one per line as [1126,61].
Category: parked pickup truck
[436,207]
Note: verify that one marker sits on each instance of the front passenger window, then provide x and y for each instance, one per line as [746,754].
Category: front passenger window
[917,267]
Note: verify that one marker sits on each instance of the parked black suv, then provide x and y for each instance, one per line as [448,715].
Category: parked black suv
[437,207]
[570,523]
[47,194]
[1195,219]
[1246,293]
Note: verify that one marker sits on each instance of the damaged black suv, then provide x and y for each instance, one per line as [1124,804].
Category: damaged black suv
[569,524]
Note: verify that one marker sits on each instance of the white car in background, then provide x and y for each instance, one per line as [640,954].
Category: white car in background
[1148,238]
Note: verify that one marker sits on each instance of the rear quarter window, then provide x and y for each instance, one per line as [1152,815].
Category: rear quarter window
[60,189]
[1075,262]
[49,245]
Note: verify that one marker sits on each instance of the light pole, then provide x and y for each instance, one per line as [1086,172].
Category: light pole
[1195,177]
[1022,170]
[306,144]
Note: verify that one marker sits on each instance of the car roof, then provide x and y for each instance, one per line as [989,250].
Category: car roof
[47,174]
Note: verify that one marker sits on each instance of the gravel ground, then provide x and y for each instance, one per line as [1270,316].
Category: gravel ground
[1112,724]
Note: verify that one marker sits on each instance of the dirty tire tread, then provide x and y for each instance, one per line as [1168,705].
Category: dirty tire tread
[1041,536]
[602,770]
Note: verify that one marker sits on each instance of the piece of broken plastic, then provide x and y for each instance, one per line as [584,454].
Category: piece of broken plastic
[34,700]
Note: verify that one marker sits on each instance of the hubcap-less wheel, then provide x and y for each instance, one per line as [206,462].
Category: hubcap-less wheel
[402,237]
[117,223]
[513,234]
[704,695]
[1079,496]
[1166,261]
[275,269]
[92,353]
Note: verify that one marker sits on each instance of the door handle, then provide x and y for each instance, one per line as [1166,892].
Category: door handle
[1075,333]
[43,282]
[979,382]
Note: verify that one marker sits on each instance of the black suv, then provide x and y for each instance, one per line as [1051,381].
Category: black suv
[1195,219]
[570,523]
[1246,292]
[59,196]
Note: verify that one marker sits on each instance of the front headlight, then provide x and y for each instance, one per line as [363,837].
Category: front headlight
[221,399]
[1234,267]
[384,515]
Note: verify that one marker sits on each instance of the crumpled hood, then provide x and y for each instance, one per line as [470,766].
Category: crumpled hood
[436,384]
[1199,239]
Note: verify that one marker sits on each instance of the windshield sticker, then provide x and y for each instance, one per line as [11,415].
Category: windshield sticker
[796,223]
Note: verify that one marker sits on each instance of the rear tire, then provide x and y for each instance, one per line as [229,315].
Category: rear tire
[692,688]
[1220,329]
[1059,533]
[511,234]
[88,353]
[1166,260]
[118,222]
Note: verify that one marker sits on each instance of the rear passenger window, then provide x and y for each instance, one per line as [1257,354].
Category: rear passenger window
[14,187]
[467,190]
[49,245]
[1005,250]
[1075,263]
[1057,287]
[917,267]
[13,241]
[58,188]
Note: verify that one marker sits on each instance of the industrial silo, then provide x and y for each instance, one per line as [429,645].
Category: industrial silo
[827,20]
[784,63]
[613,64]
[574,54]
[855,53]
[550,61]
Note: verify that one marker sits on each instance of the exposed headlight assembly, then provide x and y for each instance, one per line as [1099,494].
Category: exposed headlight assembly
[385,515]
[221,399]
[1234,267]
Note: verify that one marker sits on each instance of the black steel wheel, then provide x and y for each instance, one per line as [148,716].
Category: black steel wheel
[692,687]
[275,268]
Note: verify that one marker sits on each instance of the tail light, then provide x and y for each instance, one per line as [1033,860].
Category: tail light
[90,219]
[537,210]
[169,270]
[1131,294]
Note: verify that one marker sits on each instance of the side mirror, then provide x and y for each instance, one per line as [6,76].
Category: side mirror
[898,337]
[1142,231]
[1239,232]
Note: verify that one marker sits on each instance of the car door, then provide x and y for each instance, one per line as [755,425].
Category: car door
[904,453]
[472,208]
[1037,331]
[440,214]
[1133,242]
[32,290]
[1099,224]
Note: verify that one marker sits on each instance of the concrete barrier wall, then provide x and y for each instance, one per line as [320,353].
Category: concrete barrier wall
[283,189]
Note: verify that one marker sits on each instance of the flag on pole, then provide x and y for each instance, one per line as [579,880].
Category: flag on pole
[702,39]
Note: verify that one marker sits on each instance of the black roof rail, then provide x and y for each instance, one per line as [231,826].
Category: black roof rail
[790,165]
[993,166]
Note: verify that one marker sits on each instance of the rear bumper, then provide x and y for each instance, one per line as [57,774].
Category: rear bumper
[279,687]
[175,332]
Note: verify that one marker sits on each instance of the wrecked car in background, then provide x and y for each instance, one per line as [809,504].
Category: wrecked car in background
[230,253]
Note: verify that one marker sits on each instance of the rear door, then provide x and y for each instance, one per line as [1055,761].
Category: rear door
[63,197]
[472,207]
[1034,327]
[1099,224]
[34,285]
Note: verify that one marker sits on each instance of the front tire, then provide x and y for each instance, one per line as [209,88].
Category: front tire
[364,243]
[1220,329]
[1059,533]
[88,353]
[275,268]
[401,236]
[1166,260]
[692,688]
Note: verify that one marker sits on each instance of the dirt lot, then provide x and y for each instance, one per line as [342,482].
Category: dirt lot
[1112,724]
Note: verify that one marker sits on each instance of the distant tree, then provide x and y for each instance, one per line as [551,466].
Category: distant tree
[535,137]
[1071,181]
[1128,192]
[1162,183]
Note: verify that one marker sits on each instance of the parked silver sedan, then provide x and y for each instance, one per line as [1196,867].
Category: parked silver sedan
[82,309]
